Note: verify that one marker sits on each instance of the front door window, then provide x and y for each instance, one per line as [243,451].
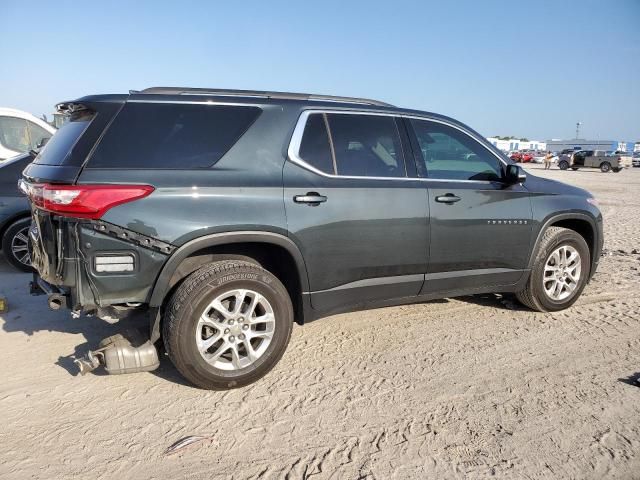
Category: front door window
[447,153]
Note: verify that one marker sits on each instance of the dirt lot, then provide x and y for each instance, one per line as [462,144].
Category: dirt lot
[471,387]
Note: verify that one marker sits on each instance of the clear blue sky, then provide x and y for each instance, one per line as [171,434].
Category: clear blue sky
[504,67]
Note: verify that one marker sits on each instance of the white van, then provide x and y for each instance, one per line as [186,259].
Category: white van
[20,132]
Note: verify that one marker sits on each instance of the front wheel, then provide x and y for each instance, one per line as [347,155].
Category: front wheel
[563,165]
[227,325]
[560,272]
[15,244]
[605,167]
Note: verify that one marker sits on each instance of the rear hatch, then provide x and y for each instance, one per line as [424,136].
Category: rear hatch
[62,158]
[59,163]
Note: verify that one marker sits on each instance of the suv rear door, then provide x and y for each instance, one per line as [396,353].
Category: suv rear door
[480,227]
[360,222]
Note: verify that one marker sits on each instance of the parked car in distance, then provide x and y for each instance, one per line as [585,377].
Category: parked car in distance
[599,159]
[539,157]
[227,216]
[515,156]
[565,157]
[635,159]
[521,157]
[15,213]
[20,132]
[625,157]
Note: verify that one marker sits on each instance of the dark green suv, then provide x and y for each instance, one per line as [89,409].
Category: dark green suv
[229,215]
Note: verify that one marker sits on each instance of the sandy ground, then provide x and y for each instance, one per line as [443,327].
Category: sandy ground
[473,387]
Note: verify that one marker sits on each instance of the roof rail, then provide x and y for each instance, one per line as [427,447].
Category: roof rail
[258,93]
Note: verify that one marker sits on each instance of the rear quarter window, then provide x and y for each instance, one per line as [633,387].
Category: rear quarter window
[58,148]
[171,136]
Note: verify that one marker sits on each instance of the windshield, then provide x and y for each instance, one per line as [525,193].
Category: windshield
[57,149]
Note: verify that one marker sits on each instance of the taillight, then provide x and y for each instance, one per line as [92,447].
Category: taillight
[84,201]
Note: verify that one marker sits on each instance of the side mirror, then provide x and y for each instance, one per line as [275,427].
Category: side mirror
[43,142]
[515,174]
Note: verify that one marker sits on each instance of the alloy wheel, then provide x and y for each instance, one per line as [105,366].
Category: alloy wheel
[20,247]
[235,329]
[562,272]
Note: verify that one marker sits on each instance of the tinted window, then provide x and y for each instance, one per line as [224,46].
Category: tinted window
[171,135]
[448,153]
[57,149]
[37,134]
[315,148]
[366,145]
[14,134]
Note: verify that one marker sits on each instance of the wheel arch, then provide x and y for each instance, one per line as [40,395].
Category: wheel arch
[273,251]
[583,224]
[11,220]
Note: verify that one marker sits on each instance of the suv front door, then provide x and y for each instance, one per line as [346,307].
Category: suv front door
[360,222]
[579,159]
[480,226]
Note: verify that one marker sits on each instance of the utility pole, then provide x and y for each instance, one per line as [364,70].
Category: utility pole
[578,129]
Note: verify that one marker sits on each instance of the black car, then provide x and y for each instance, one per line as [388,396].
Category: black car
[230,215]
[15,213]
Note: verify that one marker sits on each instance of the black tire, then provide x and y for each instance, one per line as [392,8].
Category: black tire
[563,165]
[183,311]
[12,235]
[534,296]
[605,167]
[574,168]
[617,170]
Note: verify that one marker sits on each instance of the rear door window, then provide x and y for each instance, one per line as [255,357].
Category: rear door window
[180,136]
[366,145]
[315,148]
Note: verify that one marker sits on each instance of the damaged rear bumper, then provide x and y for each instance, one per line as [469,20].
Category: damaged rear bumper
[91,265]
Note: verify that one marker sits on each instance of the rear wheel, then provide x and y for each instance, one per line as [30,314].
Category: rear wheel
[15,244]
[228,324]
[605,167]
[563,165]
[560,272]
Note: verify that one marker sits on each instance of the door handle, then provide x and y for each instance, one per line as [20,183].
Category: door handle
[448,198]
[311,198]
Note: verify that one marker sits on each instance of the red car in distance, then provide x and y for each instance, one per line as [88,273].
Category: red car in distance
[521,157]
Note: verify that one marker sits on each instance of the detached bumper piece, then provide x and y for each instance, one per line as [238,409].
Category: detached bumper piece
[121,354]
